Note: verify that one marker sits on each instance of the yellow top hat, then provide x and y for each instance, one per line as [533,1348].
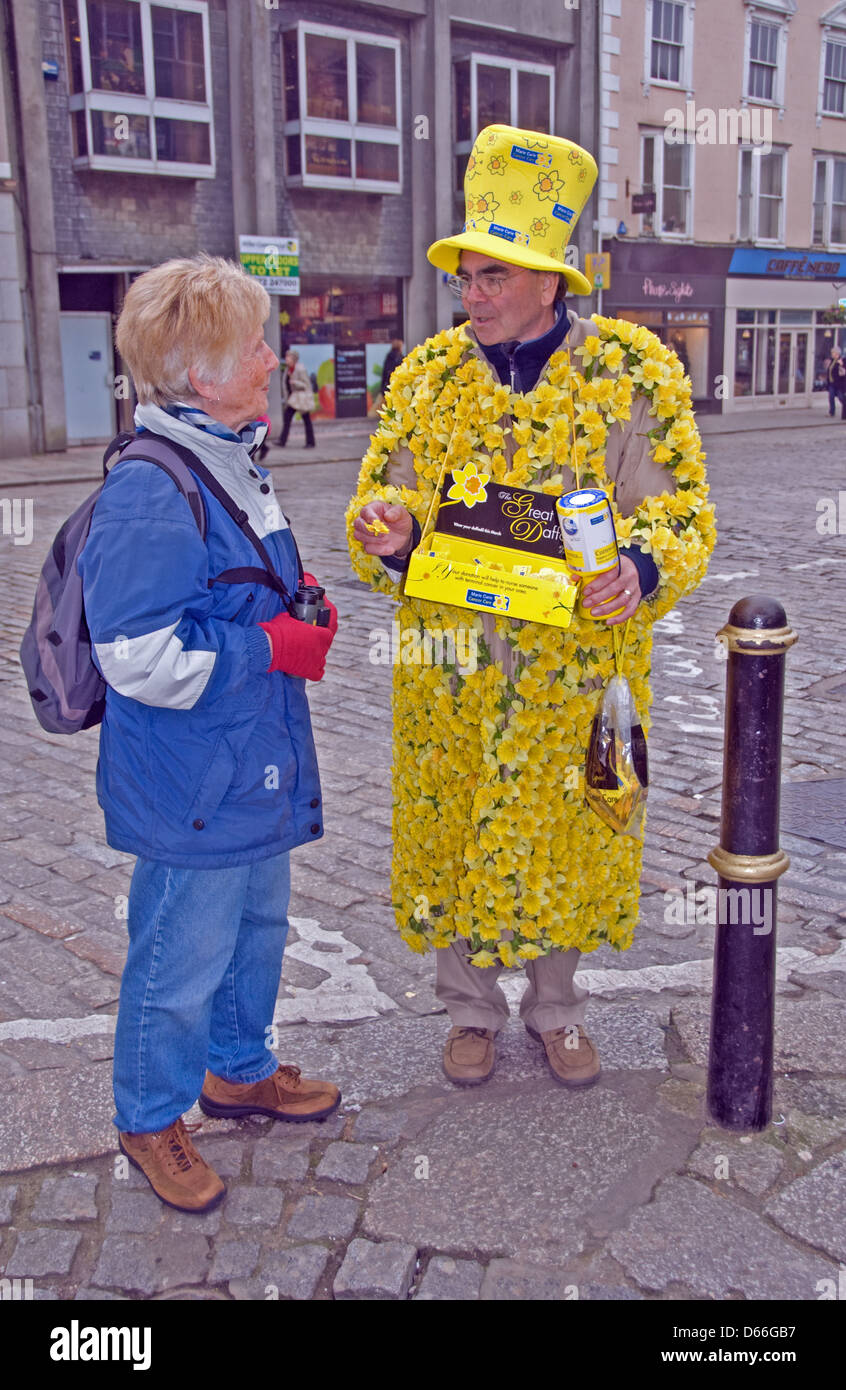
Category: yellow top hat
[523,195]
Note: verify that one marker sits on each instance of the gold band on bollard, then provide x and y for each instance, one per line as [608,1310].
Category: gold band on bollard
[757,641]
[748,868]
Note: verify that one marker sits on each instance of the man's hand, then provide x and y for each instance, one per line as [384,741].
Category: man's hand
[396,540]
[610,591]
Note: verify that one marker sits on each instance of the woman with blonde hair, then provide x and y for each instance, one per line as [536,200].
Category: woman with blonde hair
[207,768]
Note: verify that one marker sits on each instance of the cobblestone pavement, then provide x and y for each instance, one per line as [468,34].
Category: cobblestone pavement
[414,1189]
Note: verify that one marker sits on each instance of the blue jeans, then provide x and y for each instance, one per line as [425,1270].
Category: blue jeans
[199,986]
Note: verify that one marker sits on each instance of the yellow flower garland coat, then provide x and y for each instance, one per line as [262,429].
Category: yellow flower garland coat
[492,839]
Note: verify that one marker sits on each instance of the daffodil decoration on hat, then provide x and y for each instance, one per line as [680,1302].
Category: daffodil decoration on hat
[523,195]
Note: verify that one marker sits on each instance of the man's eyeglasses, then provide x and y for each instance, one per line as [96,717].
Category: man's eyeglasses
[490,282]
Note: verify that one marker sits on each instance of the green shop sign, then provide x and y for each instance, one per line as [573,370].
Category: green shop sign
[274,261]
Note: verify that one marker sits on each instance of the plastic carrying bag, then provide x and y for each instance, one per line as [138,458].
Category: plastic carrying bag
[616,768]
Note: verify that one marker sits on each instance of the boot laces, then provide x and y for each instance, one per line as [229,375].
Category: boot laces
[286,1078]
[180,1149]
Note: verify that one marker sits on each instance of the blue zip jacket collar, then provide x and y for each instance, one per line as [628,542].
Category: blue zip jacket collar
[519,365]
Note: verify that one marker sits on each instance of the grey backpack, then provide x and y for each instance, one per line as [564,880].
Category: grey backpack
[67,691]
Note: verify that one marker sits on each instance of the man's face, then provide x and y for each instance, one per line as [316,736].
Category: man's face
[522,309]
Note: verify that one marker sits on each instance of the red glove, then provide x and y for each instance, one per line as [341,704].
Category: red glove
[299,649]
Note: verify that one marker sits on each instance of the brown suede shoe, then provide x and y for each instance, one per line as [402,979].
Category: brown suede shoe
[572,1057]
[469,1056]
[173,1168]
[286,1095]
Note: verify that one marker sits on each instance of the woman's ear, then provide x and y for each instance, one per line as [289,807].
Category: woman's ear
[202,388]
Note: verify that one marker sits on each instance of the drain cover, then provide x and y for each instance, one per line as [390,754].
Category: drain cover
[815,810]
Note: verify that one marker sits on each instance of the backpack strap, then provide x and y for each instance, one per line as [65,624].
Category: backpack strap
[180,463]
[162,452]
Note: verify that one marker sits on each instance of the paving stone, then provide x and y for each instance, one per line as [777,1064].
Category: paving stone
[134,1212]
[254,1206]
[754,1167]
[7,1201]
[151,1264]
[346,1162]
[376,1271]
[808,1032]
[449,1279]
[815,1110]
[99,1047]
[234,1259]
[813,1207]
[99,1296]
[571,1163]
[42,1252]
[37,1054]
[714,1246]
[385,1126]
[316,1218]
[518,1282]
[830,982]
[293,1273]
[610,1293]
[226,1156]
[282,1159]
[67,1199]
[44,1123]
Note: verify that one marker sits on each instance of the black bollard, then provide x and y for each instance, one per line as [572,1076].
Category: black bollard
[749,862]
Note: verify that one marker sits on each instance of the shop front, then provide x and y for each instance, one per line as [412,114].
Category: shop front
[679,293]
[782,319]
[342,329]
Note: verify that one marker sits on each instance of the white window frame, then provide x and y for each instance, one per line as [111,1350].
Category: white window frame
[778,13]
[685,82]
[659,137]
[351,129]
[829,161]
[149,105]
[515,67]
[833,31]
[757,153]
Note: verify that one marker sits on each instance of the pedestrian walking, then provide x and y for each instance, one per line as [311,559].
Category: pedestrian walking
[498,862]
[207,769]
[297,396]
[835,379]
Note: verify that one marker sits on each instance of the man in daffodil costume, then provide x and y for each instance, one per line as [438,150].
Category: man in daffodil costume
[497,859]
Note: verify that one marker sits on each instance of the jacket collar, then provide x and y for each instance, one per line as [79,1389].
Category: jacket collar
[519,365]
[199,432]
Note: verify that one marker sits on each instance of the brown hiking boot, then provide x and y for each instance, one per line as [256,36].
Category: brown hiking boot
[173,1168]
[572,1057]
[286,1095]
[469,1056]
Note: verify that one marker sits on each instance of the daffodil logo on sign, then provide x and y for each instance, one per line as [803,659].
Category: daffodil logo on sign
[468,485]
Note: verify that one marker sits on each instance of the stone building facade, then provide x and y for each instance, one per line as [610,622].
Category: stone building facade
[137,130]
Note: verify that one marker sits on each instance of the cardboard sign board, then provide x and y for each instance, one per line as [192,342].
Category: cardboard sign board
[495,549]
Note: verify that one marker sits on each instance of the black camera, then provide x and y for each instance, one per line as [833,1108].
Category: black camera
[309,607]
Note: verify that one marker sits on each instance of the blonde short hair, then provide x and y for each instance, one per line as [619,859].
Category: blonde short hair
[187,314]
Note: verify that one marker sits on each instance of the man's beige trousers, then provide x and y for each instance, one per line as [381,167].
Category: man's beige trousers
[474,999]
